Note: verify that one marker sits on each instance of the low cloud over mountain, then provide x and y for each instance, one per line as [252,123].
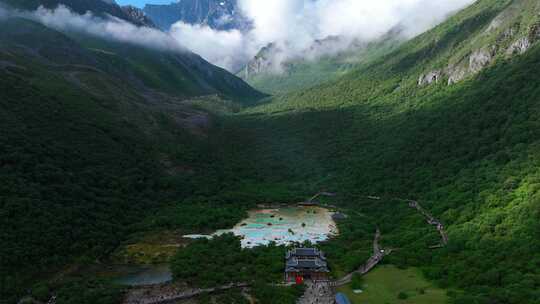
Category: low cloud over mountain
[297,23]
[293,25]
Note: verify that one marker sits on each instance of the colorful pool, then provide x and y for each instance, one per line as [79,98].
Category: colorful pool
[284,226]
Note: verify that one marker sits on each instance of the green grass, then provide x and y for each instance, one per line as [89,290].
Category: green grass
[384,284]
[156,247]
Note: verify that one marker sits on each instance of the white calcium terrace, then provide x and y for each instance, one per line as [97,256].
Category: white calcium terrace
[283,226]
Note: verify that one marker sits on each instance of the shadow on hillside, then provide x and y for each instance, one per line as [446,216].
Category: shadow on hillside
[454,130]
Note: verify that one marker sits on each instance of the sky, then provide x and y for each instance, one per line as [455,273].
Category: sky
[141,3]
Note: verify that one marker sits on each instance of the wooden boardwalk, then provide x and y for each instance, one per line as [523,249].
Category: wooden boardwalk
[432,221]
[379,253]
[429,218]
[375,258]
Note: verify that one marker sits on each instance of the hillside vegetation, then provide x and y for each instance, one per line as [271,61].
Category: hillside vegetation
[95,135]
[98,143]
[468,149]
[98,7]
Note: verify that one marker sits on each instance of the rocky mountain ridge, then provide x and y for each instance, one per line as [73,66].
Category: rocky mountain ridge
[137,16]
[217,14]
[262,62]
[277,58]
[278,69]
[509,34]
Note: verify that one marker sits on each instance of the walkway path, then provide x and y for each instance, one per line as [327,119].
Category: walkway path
[324,292]
[376,257]
[429,218]
[322,193]
[432,221]
[169,294]
[320,292]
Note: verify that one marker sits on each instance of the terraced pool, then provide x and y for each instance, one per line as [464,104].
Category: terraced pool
[283,226]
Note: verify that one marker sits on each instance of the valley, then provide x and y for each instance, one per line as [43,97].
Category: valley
[113,154]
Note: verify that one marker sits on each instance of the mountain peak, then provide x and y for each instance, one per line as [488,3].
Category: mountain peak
[217,14]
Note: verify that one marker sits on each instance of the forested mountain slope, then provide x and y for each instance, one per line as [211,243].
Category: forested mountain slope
[468,147]
[94,139]
[94,136]
[485,33]
[179,72]
[98,7]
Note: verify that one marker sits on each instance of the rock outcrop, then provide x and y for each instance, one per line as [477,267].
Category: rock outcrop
[429,78]
[507,35]
[137,16]
[265,61]
[217,14]
[481,58]
[279,58]
[476,61]
[519,47]
[456,73]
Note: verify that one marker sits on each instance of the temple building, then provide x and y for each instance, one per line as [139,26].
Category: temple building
[305,264]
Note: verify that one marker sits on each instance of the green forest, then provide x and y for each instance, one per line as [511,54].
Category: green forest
[84,169]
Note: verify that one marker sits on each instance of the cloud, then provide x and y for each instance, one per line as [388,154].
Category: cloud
[224,49]
[293,25]
[296,24]
[227,49]
[3,12]
[364,19]
[62,18]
